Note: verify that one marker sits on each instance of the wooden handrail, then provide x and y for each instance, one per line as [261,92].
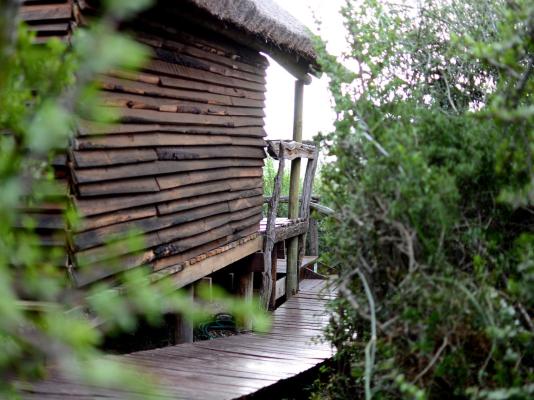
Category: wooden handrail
[313,204]
[292,149]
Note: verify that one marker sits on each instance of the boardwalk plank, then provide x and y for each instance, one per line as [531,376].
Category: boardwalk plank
[230,367]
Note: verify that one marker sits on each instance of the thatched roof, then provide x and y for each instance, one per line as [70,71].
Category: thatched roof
[265,20]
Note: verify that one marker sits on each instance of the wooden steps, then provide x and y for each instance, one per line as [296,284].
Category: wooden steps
[281,270]
[226,368]
[281,263]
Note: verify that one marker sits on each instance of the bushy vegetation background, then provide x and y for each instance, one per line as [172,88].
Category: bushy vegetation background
[434,188]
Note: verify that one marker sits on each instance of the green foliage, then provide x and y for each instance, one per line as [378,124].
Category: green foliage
[44,90]
[433,186]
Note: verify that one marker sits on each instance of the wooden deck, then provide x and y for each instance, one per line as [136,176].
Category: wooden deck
[225,368]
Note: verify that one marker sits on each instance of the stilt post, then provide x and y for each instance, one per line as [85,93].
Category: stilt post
[292,283]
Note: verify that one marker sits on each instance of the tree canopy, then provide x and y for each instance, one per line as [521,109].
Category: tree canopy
[433,181]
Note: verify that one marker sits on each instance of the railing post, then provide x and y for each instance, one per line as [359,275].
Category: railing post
[292,281]
[313,236]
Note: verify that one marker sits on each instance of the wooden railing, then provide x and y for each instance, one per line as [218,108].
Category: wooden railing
[282,151]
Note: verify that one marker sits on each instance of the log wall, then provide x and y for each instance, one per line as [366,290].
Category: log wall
[183,165]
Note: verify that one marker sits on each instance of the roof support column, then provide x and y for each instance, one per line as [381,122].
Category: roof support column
[292,277]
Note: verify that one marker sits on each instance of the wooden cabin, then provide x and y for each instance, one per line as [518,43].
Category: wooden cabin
[183,166]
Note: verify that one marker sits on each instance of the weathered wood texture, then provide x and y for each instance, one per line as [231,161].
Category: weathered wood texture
[291,149]
[292,281]
[269,237]
[181,166]
[47,19]
[225,368]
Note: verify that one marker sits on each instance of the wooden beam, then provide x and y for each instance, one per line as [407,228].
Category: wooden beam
[292,283]
[290,231]
[292,149]
[191,273]
[307,189]
[270,237]
[183,331]
[245,290]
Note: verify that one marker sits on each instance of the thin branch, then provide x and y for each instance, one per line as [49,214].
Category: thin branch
[370,349]
[433,360]
[526,317]
[449,93]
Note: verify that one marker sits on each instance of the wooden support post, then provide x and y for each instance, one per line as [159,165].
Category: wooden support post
[274,263]
[292,283]
[307,188]
[183,332]
[294,183]
[313,240]
[245,290]
[270,233]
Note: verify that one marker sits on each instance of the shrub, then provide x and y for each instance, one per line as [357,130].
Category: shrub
[433,183]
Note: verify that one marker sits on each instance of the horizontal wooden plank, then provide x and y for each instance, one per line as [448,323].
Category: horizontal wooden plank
[189,178]
[190,229]
[204,39]
[100,236]
[154,239]
[53,27]
[184,58]
[112,99]
[292,149]
[103,235]
[173,69]
[252,220]
[201,152]
[44,12]
[87,128]
[113,157]
[118,187]
[158,168]
[191,202]
[41,39]
[183,245]
[296,229]
[240,95]
[177,260]
[155,184]
[188,247]
[167,90]
[172,264]
[128,115]
[211,264]
[156,40]
[237,96]
[159,139]
[115,217]
[105,205]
